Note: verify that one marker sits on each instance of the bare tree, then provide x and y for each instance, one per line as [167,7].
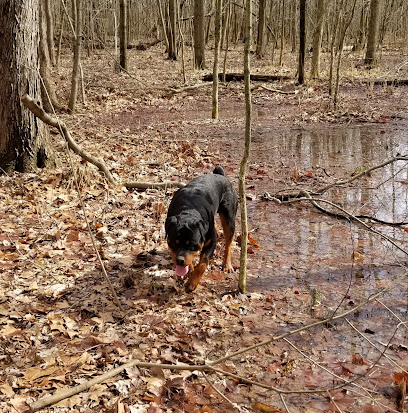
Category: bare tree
[50,30]
[302,42]
[77,14]
[261,29]
[199,34]
[317,38]
[245,155]
[216,58]
[282,35]
[172,30]
[123,32]
[48,94]
[372,39]
[23,139]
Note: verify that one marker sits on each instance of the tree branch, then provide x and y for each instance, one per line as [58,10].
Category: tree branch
[99,163]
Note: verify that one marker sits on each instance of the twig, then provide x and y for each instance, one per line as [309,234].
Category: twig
[361,174]
[284,403]
[404,323]
[222,395]
[347,382]
[372,344]
[300,329]
[283,92]
[63,394]
[334,403]
[189,88]
[349,215]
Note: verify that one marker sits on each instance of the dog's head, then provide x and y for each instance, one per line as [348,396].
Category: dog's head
[185,234]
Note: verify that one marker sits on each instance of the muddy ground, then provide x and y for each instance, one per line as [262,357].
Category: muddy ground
[59,325]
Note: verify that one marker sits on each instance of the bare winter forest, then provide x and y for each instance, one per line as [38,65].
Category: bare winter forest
[107,107]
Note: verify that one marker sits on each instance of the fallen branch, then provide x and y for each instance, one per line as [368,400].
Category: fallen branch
[233,77]
[188,88]
[283,92]
[291,195]
[99,163]
[349,215]
[361,174]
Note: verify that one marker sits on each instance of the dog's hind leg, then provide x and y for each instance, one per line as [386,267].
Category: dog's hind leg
[228,226]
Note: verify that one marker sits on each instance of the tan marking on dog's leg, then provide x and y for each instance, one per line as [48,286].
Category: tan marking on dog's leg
[196,275]
[228,236]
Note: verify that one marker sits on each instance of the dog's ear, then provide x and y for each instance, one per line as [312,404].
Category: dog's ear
[169,222]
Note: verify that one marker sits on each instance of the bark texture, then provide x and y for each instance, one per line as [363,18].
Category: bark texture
[372,39]
[199,38]
[317,38]
[22,137]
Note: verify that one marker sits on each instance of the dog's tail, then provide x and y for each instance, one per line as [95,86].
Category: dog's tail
[219,170]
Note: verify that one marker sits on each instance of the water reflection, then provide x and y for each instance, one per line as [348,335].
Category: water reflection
[301,245]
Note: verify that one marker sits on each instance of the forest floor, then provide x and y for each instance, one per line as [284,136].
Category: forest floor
[59,325]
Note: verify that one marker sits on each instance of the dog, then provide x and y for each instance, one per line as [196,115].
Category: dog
[190,227]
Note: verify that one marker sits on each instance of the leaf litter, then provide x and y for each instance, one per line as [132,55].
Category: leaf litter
[59,326]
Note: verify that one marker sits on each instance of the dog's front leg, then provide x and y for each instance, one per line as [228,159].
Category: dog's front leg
[196,274]
[206,254]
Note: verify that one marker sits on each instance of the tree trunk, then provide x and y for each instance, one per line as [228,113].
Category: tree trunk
[77,15]
[163,25]
[261,29]
[50,30]
[282,35]
[317,38]
[123,32]
[216,58]
[302,41]
[361,39]
[172,30]
[372,39]
[199,34]
[23,139]
[49,97]
[245,155]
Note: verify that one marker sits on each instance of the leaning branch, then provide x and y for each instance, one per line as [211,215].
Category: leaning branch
[99,163]
[361,174]
[314,201]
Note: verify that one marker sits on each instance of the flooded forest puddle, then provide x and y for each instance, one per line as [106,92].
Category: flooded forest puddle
[302,248]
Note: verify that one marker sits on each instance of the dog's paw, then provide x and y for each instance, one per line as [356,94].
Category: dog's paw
[190,286]
[228,268]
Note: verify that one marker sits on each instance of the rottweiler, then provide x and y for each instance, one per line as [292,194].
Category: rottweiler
[190,227]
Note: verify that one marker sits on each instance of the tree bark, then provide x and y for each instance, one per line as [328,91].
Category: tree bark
[261,29]
[123,32]
[372,39]
[50,30]
[77,14]
[302,41]
[172,30]
[317,38]
[49,97]
[23,140]
[216,58]
[282,34]
[245,155]
[199,34]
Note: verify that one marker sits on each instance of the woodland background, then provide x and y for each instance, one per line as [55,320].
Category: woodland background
[131,81]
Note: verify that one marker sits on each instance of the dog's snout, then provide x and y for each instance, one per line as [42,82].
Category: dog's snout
[180,260]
